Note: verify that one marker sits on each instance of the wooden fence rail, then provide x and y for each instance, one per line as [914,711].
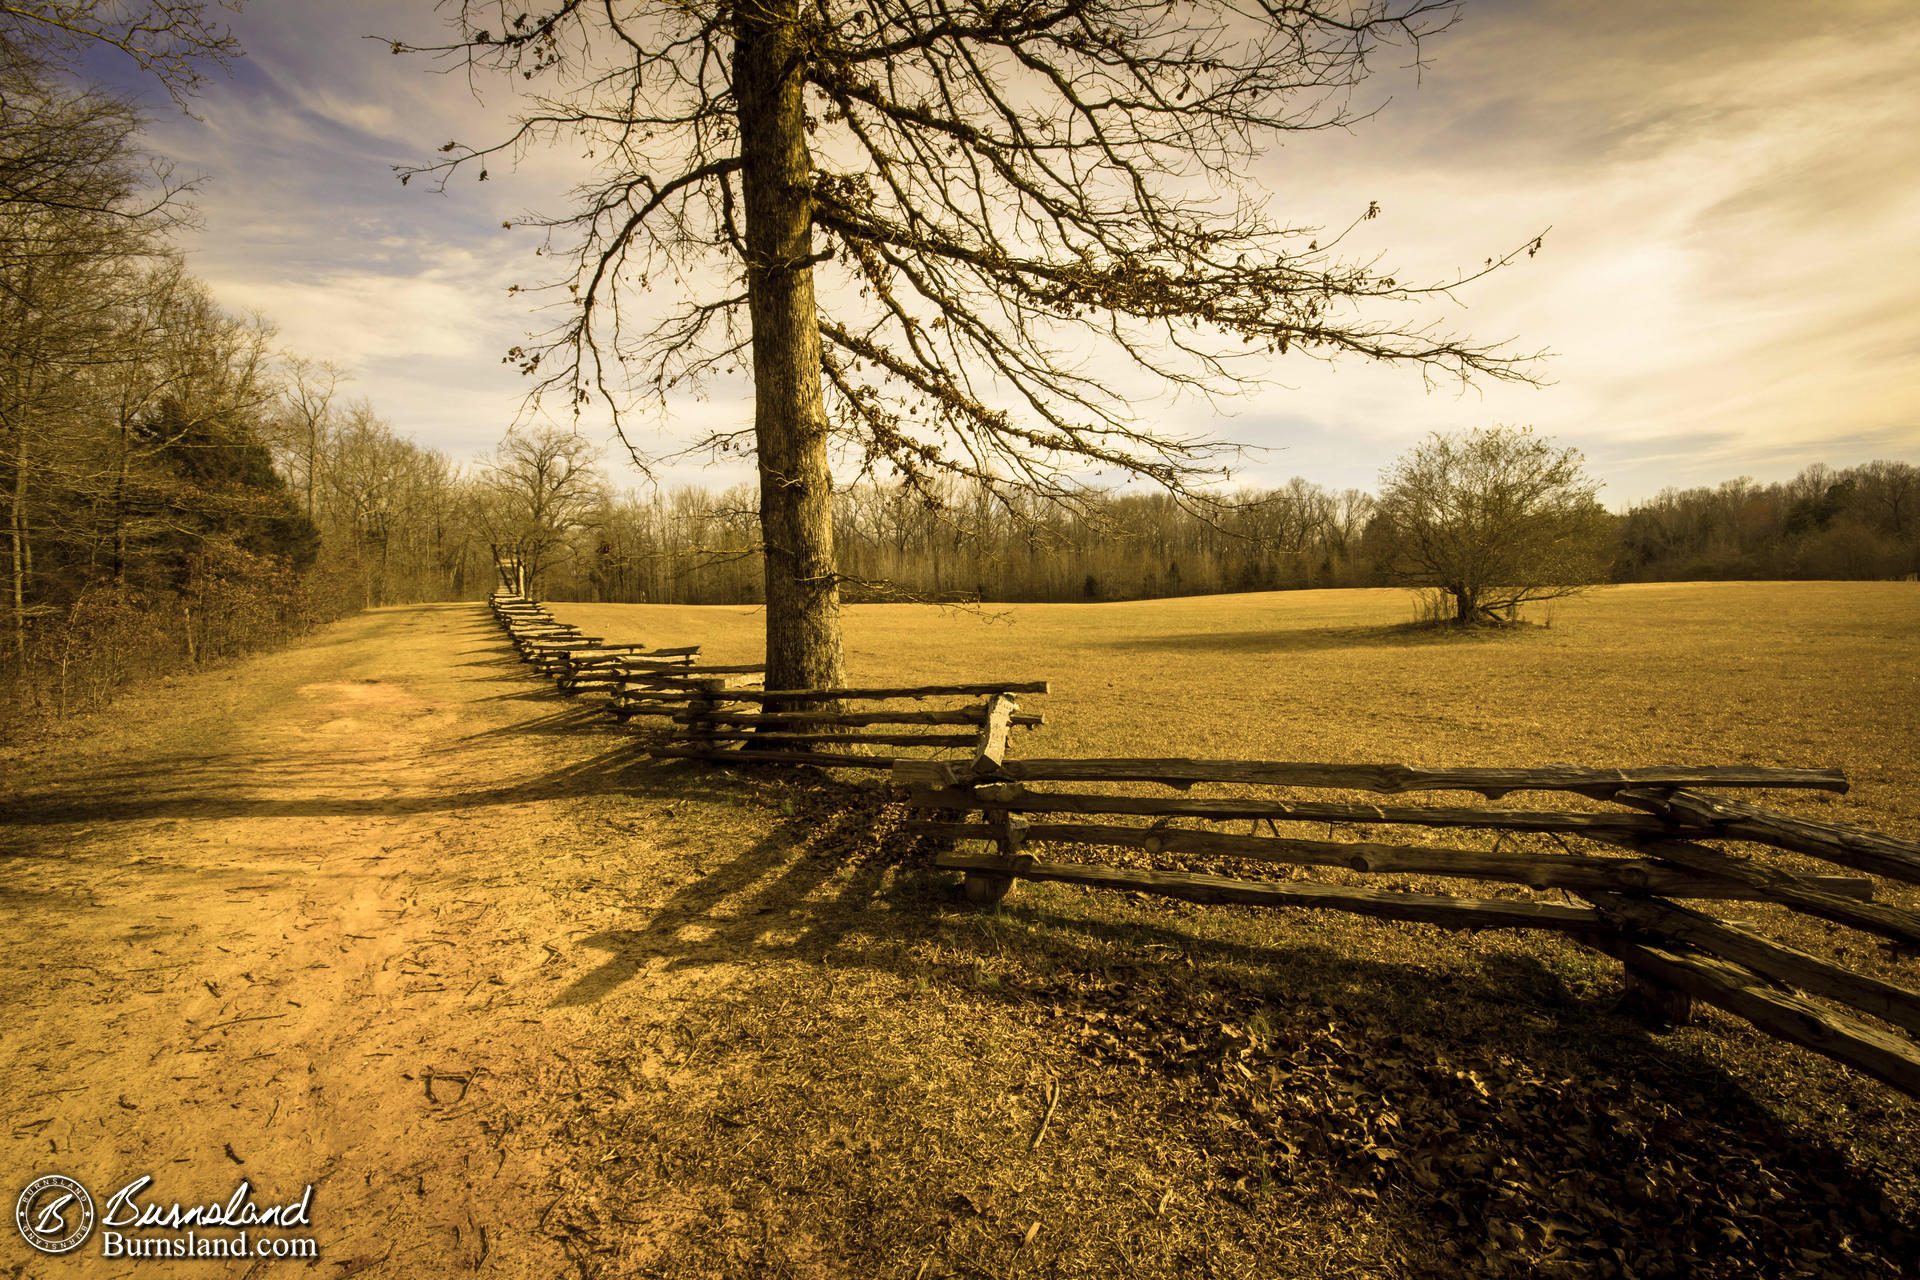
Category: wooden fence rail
[1661,847]
[798,726]
[1637,863]
[721,713]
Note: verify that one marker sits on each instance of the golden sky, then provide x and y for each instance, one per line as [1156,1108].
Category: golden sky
[1730,285]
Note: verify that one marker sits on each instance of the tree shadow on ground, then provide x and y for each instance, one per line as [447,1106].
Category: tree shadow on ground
[1498,1120]
[1317,639]
[725,911]
[244,785]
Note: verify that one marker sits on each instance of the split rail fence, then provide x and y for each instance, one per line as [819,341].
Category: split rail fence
[723,713]
[1639,875]
[1633,892]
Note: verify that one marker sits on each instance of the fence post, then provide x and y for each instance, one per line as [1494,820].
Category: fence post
[1652,1002]
[699,725]
[988,888]
[996,722]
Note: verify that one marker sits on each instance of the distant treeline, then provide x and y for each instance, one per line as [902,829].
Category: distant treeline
[1863,522]
[698,547]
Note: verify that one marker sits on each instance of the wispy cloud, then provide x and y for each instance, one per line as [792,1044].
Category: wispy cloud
[1735,228]
[1727,286]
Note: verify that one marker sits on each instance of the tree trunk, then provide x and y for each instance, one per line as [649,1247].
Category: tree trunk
[120,504]
[790,422]
[17,532]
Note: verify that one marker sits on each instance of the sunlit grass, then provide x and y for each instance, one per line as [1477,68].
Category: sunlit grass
[930,1031]
[1792,674]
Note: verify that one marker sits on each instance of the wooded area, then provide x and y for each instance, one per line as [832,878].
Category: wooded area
[176,487]
[693,546]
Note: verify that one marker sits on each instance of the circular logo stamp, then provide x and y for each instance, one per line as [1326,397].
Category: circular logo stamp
[54,1214]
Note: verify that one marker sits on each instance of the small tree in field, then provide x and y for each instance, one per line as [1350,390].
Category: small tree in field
[1494,519]
[537,489]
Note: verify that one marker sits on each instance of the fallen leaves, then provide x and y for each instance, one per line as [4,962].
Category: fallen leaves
[1515,1166]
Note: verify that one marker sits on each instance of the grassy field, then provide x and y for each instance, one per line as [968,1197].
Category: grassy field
[1285,1093]
[384,912]
[1715,673]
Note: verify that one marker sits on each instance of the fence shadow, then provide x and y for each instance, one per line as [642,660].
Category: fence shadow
[1517,1098]
[1312,639]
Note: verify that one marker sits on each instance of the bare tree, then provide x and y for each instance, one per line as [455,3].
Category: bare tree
[1494,519]
[179,368]
[67,152]
[1891,491]
[306,415]
[170,40]
[65,268]
[921,220]
[77,216]
[537,489]
[391,512]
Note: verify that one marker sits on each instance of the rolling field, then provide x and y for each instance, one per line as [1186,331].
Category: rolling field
[1807,674]
[1280,1092]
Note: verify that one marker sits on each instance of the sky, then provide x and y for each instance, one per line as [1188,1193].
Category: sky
[1729,193]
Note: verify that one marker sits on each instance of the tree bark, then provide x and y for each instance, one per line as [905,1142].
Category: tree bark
[1466,606]
[120,503]
[19,563]
[790,422]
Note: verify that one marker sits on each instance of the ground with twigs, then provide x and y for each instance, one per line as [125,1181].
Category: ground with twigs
[386,913]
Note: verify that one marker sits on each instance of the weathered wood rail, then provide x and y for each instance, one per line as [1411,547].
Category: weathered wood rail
[1663,845]
[606,670]
[1639,866]
[722,713]
[720,723]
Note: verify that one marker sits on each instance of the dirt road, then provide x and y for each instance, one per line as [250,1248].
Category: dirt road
[318,918]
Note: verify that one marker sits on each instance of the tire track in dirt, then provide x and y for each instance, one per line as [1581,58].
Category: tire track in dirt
[309,920]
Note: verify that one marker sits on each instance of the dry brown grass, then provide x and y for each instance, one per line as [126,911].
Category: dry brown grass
[1800,673]
[1248,1093]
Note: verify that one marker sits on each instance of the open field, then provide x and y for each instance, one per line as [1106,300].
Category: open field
[687,1022]
[1787,673]
[1822,674]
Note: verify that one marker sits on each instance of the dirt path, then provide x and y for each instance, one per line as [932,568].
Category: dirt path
[315,919]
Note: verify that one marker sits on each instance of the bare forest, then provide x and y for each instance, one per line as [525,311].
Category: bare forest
[694,546]
[177,487]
